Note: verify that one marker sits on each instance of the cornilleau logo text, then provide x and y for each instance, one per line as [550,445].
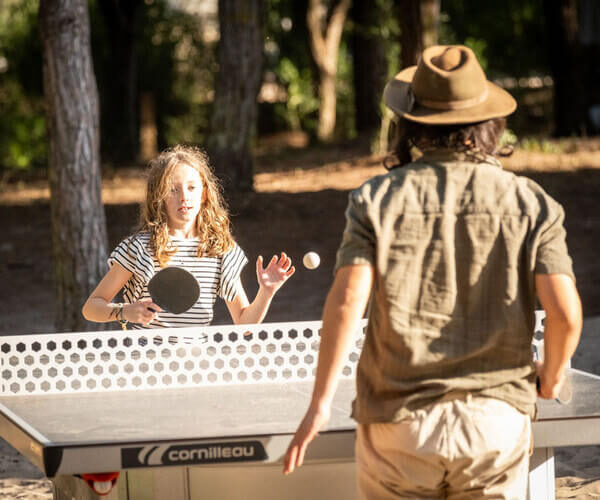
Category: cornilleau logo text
[214,452]
[198,453]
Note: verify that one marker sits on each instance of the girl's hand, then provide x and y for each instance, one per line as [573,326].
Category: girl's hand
[276,274]
[144,311]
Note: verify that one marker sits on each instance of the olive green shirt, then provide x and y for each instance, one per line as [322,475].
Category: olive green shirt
[455,246]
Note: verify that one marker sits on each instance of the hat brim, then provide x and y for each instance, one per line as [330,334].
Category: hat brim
[498,103]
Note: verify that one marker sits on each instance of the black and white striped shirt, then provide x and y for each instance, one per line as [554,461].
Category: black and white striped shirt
[217,276]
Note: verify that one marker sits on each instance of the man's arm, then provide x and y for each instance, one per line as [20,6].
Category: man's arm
[344,307]
[559,298]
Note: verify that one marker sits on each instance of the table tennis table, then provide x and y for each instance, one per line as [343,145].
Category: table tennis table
[198,413]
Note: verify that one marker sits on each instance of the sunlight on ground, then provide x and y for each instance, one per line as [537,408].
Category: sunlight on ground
[305,170]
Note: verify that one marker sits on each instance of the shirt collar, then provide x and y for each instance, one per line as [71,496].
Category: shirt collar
[450,155]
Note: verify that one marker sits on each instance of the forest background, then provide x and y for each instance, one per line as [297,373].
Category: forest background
[91,89]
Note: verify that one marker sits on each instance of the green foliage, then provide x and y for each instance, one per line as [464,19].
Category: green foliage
[178,68]
[175,66]
[289,60]
[478,46]
[22,123]
[532,143]
[288,63]
[541,145]
[299,110]
[345,127]
[508,36]
[509,138]
[22,134]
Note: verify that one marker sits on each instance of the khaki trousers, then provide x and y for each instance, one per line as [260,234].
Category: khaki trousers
[462,447]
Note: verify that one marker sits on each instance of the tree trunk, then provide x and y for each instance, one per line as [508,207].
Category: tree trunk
[78,223]
[120,107]
[572,69]
[419,26]
[430,16]
[589,36]
[370,68]
[234,114]
[148,133]
[325,37]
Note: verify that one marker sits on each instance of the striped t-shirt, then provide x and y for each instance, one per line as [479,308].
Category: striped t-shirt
[217,276]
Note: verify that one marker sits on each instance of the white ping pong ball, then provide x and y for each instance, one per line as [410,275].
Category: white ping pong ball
[311,260]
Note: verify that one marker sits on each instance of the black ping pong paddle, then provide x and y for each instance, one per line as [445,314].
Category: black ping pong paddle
[174,289]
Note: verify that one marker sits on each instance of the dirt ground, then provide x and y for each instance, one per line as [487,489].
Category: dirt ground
[298,206]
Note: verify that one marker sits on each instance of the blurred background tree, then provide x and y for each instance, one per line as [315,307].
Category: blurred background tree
[573,45]
[370,69]
[72,118]
[234,110]
[419,27]
[121,23]
[326,21]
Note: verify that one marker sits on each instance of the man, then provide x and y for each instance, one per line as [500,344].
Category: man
[451,251]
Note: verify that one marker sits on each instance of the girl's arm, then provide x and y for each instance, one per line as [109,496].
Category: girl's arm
[100,309]
[270,280]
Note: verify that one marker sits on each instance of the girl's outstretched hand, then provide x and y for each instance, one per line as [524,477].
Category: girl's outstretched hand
[276,273]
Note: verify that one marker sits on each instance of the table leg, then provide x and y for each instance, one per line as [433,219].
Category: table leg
[74,488]
[541,475]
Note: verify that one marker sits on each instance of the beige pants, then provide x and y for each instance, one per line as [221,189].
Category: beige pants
[462,447]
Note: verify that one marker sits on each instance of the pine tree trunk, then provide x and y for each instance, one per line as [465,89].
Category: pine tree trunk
[411,31]
[78,222]
[419,27]
[325,37]
[430,15]
[234,114]
[120,106]
[569,66]
[370,67]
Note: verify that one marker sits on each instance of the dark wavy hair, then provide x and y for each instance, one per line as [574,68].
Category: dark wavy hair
[475,139]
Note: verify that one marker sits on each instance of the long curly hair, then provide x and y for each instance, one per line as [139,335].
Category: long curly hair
[475,139]
[212,223]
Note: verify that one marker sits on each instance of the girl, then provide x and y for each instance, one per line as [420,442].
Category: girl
[183,223]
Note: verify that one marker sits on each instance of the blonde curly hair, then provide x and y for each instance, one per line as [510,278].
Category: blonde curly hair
[212,224]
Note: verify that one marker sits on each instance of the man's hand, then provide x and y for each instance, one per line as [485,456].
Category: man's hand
[311,424]
[548,387]
[344,306]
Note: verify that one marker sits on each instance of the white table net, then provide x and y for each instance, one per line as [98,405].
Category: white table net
[173,357]
[161,358]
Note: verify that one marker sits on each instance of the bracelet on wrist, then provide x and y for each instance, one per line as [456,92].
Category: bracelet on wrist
[119,315]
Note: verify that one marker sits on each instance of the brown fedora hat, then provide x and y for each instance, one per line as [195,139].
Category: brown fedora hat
[447,87]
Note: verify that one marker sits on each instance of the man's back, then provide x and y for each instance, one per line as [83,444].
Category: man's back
[457,245]
[449,252]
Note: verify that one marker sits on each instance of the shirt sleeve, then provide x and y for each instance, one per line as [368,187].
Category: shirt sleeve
[358,241]
[552,255]
[232,264]
[133,255]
